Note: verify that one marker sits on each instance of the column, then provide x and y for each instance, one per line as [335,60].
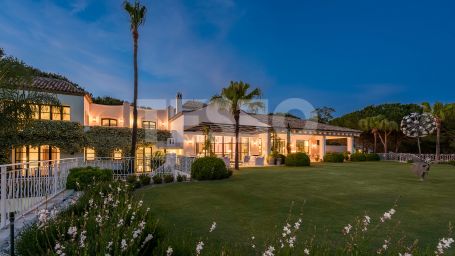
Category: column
[350,144]
[322,144]
[268,143]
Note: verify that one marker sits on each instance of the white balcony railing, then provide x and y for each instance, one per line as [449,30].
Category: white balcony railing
[26,186]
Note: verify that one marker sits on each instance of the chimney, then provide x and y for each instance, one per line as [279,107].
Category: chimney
[178,103]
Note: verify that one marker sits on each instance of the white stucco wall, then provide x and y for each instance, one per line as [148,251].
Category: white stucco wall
[76,103]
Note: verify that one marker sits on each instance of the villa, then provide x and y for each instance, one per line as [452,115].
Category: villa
[186,121]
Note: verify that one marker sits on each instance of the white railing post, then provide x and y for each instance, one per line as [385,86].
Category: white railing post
[55,170]
[3,197]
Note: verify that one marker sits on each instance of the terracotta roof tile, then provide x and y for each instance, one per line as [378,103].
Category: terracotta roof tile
[55,85]
[281,122]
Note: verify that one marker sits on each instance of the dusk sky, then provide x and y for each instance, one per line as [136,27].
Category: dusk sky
[343,54]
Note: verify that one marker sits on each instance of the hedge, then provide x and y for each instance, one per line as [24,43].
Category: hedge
[372,157]
[358,157]
[209,168]
[334,157]
[297,159]
[79,178]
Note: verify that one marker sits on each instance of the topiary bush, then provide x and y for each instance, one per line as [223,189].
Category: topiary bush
[133,180]
[334,157]
[372,157]
[209,168]
[358,157]
[181,178]
[157,179]
[79,178]
[144,179]
[168,178]
[297,159]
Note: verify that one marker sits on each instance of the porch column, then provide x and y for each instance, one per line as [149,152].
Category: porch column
[268,143]
[350,144]
[322,144]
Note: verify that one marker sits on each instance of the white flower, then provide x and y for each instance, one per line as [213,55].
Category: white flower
[123,245]
[169,251]
[388,215]
[139,205]
[109,245]
[306,251]
[405,254]
[120,223]
[82,239]
[212,227]
[347,229]
[199,247]
[148,238]
[72,231]
[291,241]
[269,251]
[59,249]
[444,243]
[297,224]
[99,219]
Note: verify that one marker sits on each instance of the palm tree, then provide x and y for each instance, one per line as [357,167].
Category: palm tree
[233,98]
[440,112]
[137,12]
[370,124]
[387,127]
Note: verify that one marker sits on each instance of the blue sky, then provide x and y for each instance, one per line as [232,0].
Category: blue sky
[344,54]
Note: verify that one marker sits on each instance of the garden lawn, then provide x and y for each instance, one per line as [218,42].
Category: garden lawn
[257,201]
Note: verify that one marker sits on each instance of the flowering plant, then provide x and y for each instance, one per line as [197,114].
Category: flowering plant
[106,220]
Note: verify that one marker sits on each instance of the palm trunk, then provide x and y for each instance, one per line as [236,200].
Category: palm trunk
[288,140]
[237,131]
[385,142]
[134,135]
[375,135]
[438,137]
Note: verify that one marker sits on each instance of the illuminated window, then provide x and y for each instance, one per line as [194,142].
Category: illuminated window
[148,125]
[45,112]
[35,154]
[118,154]
[303,146]
[66,115]
[56,113]
[108,122]
[89,154]
[35,111]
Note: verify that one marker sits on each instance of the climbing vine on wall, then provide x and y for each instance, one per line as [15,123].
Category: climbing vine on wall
[68,136]
[107,139]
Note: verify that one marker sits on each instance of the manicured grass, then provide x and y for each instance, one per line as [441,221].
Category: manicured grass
[257,201]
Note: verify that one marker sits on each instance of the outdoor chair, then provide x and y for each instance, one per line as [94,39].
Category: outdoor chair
[259,161]
[246,160]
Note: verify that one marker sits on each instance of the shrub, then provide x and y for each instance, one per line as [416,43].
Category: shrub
[209,168]
[297,159]
[358,157]
[334,157]
[144,179]
[79,178]
[168,178]
[372,157]
[93,227]
[157,179]
[181,178]
[346,155]
[133,180]
[451,163]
